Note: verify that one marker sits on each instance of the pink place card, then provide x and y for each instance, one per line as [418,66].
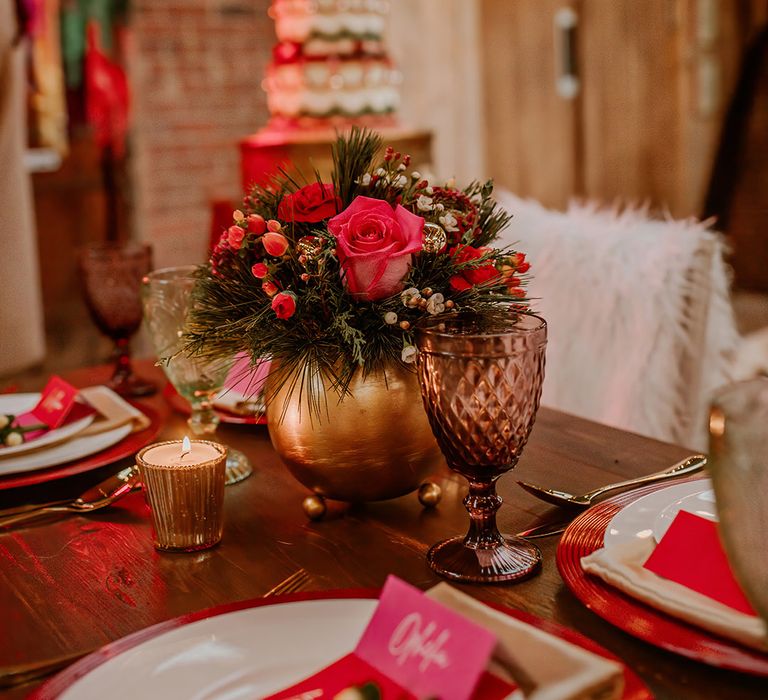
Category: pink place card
[413,647]
[58,406]
[422,645]
[690,553]
[246,379]
[55,403]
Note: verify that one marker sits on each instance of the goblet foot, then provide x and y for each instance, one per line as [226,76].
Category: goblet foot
[238,467]
[513,559]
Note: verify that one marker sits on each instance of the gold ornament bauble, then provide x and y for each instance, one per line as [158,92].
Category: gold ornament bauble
[309,247]
[314,507]
[435,238]
[430,494]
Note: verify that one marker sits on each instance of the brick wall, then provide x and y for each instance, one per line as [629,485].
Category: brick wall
[195,69]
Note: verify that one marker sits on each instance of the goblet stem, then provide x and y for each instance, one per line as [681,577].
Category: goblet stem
[481,503]
[203,420]
[123,367]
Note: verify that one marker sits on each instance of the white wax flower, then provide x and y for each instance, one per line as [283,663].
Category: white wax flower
[408,294]
[401,168]
[381,172]
[435,304]
[416,175]
[365,180]
[429,190]
[409,354]
[449,222]
[390,318]
[424,203]
[402,181]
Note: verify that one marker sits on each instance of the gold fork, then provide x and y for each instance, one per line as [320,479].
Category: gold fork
[295,582]
[24,673]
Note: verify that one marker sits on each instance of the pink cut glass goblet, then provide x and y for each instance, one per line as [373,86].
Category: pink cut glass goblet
[111,279]
[481,385]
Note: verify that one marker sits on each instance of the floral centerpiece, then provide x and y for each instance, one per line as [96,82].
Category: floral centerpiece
[333,276]
[328,279]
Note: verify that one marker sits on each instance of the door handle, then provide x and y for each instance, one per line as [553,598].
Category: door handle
[567,83]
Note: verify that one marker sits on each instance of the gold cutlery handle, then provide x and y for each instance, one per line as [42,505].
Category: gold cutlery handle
[32,506]
[689,465]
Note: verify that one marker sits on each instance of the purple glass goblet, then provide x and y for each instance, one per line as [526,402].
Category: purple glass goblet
[481,385]
[111,278]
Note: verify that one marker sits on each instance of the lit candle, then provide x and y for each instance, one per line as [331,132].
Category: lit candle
[184,485]
[181,453]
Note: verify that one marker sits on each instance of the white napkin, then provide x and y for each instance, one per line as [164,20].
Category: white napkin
[114,411]
[545,667]
[621,566]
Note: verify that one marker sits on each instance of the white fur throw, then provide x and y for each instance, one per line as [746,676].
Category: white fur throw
[641,327]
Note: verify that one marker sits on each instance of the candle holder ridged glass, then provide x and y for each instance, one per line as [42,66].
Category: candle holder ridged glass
[481,384]
[187,501]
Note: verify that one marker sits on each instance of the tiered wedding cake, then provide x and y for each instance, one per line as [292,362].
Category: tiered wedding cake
[331,65]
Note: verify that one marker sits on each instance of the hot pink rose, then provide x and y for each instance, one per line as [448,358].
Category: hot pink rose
[374,246]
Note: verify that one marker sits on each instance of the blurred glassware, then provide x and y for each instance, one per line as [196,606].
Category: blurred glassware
[481,384]
[167,296]
[738,464]
[111,279]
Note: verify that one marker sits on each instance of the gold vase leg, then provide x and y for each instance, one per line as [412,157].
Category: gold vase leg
[314,507]
[430,494]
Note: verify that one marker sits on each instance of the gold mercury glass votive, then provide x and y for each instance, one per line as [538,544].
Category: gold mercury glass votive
[185,491]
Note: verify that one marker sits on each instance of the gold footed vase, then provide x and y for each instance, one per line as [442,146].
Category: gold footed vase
[373,444]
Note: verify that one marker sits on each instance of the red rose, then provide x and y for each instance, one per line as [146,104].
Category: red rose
[468,278]
[284,304]
[374,246]
[312,203]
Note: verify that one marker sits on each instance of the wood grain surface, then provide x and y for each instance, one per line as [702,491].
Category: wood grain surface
[77,583]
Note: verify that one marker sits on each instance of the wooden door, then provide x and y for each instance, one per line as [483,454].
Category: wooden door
[532,132]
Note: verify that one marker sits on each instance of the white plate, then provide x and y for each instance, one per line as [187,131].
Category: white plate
[243,654]
[76,448]
[638,519]
[701,503]
[16,404]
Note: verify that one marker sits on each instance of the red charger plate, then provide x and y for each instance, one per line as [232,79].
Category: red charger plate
[179,404]
[584,536]
[127,447]
[634,688]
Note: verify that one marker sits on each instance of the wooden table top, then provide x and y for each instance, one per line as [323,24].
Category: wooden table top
[81,582]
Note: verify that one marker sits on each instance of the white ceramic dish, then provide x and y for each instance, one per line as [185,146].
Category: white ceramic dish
[638,519]
[701,503]
[248,653]
[16,404]
[76,448]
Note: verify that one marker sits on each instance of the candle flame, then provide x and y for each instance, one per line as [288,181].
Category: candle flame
[186,447]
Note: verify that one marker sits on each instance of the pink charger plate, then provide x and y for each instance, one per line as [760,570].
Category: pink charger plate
[127,447]
[585,535]
[634,688]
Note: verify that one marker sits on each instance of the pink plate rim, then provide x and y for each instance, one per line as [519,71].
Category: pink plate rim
[585,535]
[634,688]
